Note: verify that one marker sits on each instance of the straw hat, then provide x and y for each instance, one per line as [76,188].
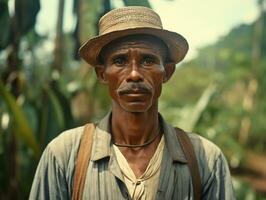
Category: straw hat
[132,20]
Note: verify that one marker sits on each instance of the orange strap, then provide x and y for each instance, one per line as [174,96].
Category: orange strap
[82,162]
[188,150]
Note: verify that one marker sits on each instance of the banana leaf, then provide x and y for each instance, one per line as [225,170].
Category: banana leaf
[56,107]
[22,127]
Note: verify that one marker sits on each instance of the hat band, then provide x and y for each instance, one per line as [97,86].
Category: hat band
[129,25]
[132,20]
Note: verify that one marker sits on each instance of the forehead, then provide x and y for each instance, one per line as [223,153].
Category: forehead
[144,42]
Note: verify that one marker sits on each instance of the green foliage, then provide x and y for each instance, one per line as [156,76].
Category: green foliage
[137,3]
[245,192]
[24,18]
[239,98]
[228,63]
[4,22]
[26,12]
[21,128]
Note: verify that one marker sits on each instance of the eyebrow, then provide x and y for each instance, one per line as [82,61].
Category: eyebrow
[155,53]
[119,54]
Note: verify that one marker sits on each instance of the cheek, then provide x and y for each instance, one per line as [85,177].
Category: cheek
[158,88]
[113,80]
[158,76]
[158,79]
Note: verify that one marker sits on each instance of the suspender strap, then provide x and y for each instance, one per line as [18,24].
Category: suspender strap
[82,162]
[188,150]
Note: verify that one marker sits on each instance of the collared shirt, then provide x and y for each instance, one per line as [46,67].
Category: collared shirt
[104,179]
[143,187]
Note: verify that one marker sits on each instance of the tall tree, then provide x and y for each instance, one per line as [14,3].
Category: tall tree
[59,39]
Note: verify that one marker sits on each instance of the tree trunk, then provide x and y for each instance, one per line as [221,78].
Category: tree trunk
[88,15]
[59,48]
[12,78]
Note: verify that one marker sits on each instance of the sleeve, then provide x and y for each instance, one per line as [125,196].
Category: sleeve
[49,181]
[219,184]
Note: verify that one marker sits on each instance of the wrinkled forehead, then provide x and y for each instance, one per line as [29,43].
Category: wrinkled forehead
[147,42]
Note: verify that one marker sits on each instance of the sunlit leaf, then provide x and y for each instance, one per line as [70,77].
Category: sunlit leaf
[22,128]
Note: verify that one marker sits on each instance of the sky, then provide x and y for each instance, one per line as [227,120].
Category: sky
[201,22]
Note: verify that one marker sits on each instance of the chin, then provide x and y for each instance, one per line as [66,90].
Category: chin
[135,107]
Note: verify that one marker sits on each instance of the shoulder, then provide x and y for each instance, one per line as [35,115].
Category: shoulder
[214,169]
[55,168]
[209,156]
[204,147]
[65,146]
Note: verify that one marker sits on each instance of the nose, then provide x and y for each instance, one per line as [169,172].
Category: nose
[134,73]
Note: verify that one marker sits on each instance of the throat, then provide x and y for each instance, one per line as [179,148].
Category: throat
[134,146]
[139,160]
[134,130]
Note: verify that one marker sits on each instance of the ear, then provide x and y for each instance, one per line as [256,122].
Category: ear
[169,70]
[100,72]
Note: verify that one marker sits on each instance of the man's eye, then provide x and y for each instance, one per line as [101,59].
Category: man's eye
[119,61]
[148,60]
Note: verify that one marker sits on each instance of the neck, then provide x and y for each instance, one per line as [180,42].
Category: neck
[134,128]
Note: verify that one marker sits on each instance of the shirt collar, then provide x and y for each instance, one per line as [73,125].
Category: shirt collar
[171,142]
[102,141]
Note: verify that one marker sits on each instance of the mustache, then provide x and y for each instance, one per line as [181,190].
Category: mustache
[129,87]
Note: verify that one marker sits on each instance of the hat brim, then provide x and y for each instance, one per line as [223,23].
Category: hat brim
[176,43]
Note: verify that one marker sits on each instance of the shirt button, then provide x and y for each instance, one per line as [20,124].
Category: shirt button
[138,182]
[127,195]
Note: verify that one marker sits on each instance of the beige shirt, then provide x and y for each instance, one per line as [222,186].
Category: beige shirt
[144,187]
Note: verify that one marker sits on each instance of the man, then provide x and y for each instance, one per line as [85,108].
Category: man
[135,153]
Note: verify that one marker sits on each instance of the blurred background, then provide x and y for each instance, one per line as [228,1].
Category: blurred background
[218,91]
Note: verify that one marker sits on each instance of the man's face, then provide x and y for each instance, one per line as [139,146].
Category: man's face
[134,70]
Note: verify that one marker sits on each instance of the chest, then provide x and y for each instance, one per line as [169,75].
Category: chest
[138,161]
[104,180]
